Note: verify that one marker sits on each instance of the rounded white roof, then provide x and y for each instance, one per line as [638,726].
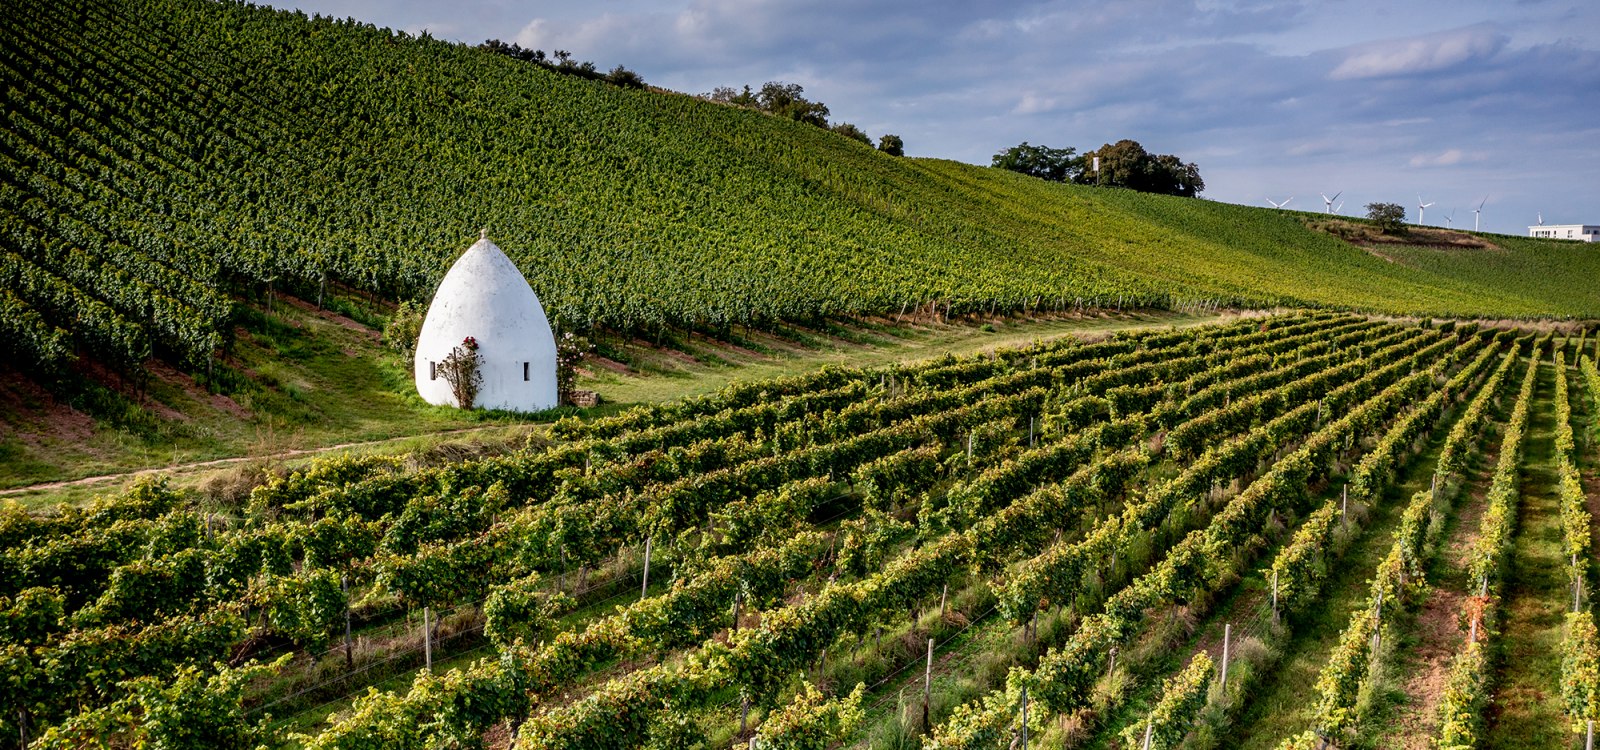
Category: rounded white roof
[485,296]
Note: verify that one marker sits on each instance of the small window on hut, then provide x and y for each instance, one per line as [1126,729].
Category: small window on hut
[524,372]
[433,370]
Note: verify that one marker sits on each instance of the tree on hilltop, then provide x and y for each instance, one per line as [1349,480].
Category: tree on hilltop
[788,100]
[1127,164]
[852,132]
[560,61]
[1054,164]
[775,98]
[1390,217]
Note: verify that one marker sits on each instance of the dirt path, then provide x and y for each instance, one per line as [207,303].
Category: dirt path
[1526,709]
[1437,629]
[221,463]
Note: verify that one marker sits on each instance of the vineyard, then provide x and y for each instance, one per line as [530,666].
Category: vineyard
[163,160]
[1136,542]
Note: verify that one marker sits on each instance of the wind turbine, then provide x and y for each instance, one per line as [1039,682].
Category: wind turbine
[1328,202]
[1276,204]
[1477,211]
[1339,209]
[1421,207]
[1450,218]
[1541,218]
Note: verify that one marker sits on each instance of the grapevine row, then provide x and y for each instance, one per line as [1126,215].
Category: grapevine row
[1063,678]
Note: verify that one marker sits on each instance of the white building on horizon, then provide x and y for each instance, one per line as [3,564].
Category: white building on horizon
[485,296]
[1580,232]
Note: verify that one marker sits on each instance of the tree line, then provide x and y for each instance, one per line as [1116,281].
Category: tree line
[774,97]
[788,100]
[560,61]
[1124,164]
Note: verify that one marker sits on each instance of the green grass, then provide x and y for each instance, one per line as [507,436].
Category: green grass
[298,381]
[1526,712]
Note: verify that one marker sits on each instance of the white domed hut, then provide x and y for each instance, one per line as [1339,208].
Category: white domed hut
[486,298]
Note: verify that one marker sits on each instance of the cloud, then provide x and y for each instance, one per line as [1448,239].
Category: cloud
[1447,158]
[1424,54]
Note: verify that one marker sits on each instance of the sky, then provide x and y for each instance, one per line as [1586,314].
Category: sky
[1452,103]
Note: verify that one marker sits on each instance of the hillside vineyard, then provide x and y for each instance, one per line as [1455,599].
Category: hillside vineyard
[691,570]
[163,159]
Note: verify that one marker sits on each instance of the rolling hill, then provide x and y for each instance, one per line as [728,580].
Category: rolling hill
[163,159]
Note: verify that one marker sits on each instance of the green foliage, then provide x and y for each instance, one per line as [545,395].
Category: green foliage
[196,709]
[1054,164]
[786,100]
[1182,697]
[1200,563]
[812,721]
[1580,670]
[306,608]
[1465,695]
[31,617]
[892,144]
[1126,164]
[519,610]
[852,132]
[1398,576]
[731,488]
[1302,741]
[561,62]
[1390,217]
[211,178]
[868,541]
[1452,457]
[401,330]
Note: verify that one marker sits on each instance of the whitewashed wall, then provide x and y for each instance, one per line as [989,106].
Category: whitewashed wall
[485,296]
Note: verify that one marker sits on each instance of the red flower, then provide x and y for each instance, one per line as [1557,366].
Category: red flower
[470,343]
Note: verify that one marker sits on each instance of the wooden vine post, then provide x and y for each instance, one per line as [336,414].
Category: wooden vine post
[1377,628]
[927,688]
[644,587]
[1024,718]
[427,640]
[349,649]
[1274,594]
[1227,636]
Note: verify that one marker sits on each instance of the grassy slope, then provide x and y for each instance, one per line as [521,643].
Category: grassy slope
[1524,267]
[320,380]
[305,380]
